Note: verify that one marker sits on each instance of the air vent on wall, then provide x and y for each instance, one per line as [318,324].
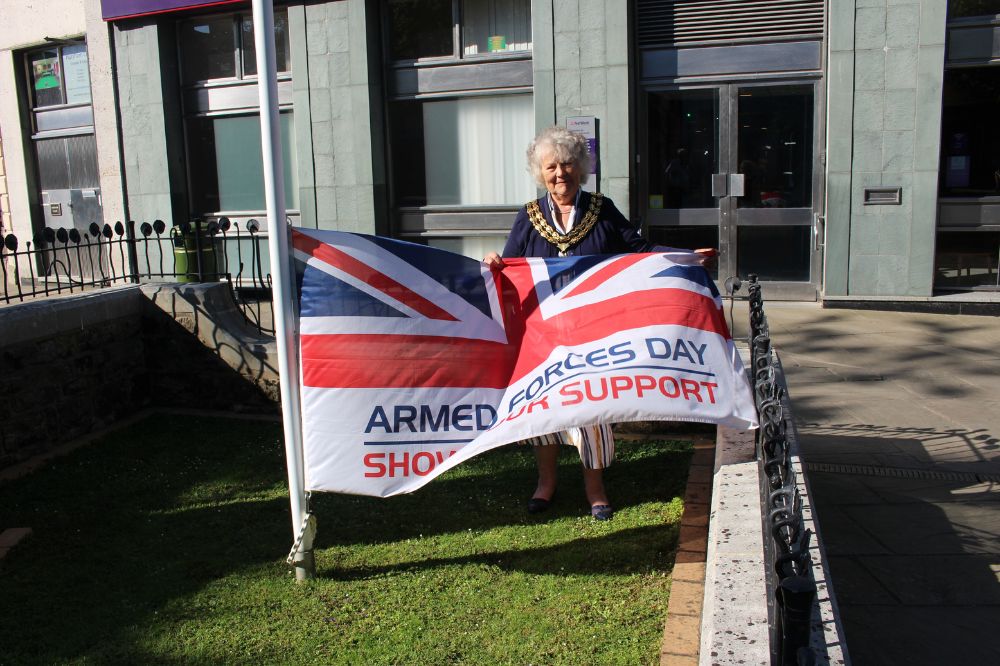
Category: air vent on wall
[665,23]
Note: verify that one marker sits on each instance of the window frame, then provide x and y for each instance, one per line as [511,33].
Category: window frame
[471,212]
[457,56]
[59,47]
[227,97]
[949,215]
[456,76]
[965,215]
[241,77]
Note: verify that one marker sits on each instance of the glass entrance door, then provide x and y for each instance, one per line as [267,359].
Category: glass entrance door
[733,166]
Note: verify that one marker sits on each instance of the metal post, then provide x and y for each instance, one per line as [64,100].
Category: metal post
[133,255]
[285,322]
[796,595]
[197,251]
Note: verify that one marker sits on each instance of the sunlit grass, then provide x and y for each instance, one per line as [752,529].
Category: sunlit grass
[165,543]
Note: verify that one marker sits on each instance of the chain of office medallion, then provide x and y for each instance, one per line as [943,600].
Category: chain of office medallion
[576,234]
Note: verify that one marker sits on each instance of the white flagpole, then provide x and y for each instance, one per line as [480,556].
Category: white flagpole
[285,321]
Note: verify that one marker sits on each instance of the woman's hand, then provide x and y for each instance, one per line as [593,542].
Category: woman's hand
[494,261]
[708,256]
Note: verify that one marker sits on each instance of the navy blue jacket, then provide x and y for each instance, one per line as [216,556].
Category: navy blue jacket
[613,233]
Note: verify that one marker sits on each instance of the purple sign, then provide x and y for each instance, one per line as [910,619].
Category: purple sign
[587,126]
[112,10]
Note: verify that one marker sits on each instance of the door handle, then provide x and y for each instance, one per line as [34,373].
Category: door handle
[819,232]
[720,184]
[728,184]
[736,184]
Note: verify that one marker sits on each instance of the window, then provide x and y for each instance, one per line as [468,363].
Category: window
[222,47]
[970,138]
[496,26]
[963,8]
[64,148]
[420,29]
[463,152]
[226,165]
[460,115]
[59,76]
[967,252]
[967,259]
[222,130]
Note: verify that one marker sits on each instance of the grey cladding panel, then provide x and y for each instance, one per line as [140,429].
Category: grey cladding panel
[969,213]
[419,221]
[231,97]
[479,76]
[746,59]
[976,43]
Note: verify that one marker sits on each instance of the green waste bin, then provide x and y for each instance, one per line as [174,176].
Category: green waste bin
[188,247]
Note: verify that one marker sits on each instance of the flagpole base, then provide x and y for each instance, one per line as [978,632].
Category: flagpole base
[304,565]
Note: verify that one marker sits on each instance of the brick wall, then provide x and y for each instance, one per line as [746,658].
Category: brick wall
[70,366]
[60,387]
[75,364]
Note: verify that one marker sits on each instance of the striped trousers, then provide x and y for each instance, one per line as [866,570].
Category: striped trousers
[596,444]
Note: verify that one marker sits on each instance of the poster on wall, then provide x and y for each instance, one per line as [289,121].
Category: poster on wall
[77,75]
[587,126]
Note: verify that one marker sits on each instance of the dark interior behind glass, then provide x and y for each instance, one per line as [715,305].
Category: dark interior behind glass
[420,29]
[408,171]
[775,153]
[970,135]
[967,259]
[683,148]
[963,8]
[689,237]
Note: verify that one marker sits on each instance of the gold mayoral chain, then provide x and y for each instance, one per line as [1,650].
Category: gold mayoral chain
[576,234]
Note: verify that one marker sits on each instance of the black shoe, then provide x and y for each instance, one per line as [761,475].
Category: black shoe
[602,512]
[538,504]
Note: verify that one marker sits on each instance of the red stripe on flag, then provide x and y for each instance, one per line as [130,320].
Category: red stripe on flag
[369,275]
[400,361]
[659,307]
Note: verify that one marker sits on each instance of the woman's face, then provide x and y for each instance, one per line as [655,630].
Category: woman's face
[562,179]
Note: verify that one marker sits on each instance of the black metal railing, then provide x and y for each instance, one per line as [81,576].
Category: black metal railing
[791,586]
[58,261]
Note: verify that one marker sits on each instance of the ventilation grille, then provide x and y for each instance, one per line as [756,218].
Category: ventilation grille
[682,22]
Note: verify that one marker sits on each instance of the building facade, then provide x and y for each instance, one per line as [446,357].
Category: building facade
[836,149]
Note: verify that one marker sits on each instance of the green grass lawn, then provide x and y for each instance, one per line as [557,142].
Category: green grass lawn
[165,542]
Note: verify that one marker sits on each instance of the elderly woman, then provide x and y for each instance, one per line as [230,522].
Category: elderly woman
[567,221]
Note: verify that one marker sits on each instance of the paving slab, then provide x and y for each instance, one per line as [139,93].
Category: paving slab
[898,419]
[856,584]
[861,489]
[931,581]
[923,636]
[850,536]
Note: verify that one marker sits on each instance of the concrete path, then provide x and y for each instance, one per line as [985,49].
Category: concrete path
[899,419]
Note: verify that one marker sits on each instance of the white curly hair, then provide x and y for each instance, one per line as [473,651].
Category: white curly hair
[565,145]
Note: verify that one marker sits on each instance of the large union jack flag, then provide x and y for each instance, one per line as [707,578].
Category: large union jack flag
[414,359]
